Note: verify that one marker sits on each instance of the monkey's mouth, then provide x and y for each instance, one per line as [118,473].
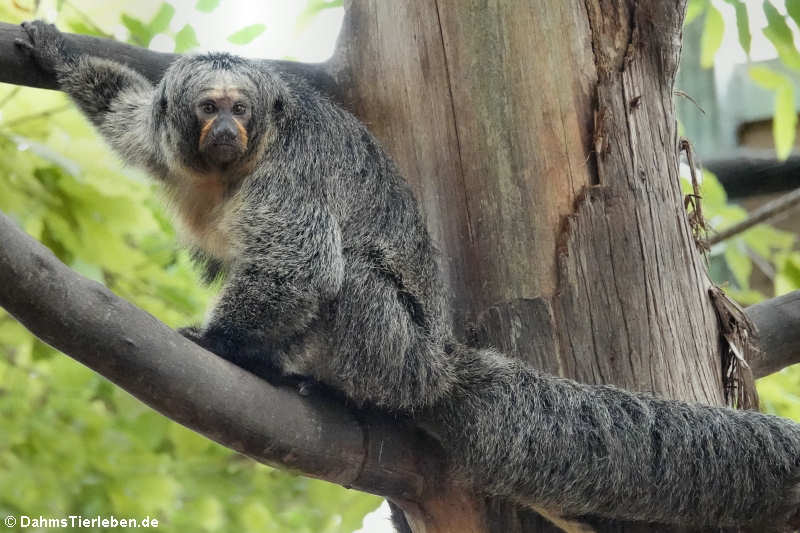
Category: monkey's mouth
[225,152]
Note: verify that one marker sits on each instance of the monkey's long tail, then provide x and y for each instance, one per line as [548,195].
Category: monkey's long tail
[597,450]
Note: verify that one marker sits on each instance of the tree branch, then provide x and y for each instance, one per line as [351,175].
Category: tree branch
[749,172]
[762,214]
[17,68]
[315,436]
[778,323]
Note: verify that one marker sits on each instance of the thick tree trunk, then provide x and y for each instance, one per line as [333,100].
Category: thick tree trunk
[541,139]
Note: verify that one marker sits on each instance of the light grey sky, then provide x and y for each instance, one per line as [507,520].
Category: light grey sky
[281,39]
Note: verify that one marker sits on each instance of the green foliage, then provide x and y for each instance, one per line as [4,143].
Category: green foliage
[314,8]
[793,9]
[784,120]
[712,36]
[694,9]
[742,23]
[247,34]
[206,6]
[732,264]
[71,442]
[781,34]
[761,251]
[142,33]
[185,40]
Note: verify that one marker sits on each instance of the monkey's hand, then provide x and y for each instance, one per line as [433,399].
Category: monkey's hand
[46,45]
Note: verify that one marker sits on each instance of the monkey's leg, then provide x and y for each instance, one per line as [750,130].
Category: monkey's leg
[383,354]
[257,319]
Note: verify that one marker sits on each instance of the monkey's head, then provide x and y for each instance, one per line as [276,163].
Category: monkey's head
[218,111]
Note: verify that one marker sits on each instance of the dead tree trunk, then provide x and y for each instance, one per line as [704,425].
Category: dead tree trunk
[542,142]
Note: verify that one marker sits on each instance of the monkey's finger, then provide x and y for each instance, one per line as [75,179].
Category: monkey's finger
[22,43]
[29,29]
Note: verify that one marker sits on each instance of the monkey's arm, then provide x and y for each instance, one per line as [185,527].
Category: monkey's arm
[118,100]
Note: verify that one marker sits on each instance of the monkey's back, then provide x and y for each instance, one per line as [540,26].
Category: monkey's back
[377,213]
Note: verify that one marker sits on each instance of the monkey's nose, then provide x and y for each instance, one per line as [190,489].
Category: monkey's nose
[225,135]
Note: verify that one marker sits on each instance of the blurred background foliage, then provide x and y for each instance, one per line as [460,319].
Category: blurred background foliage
[70,442]
[759,39]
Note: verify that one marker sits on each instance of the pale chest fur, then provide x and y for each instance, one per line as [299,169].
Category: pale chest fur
[206,214]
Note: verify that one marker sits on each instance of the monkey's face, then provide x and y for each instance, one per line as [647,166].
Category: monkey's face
[223,115]
[218,113]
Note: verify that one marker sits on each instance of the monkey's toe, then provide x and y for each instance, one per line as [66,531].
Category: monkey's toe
[23,44]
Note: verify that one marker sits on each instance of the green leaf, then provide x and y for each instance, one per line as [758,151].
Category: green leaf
[712,36]
[694,10]
[162,18]
[206,6]
[767,240]
[781,36]
[313,8]
[247,34]
[140,32]
[775,391]
[740,265]
[784,123]
[185,39]
[793,8]
[745,297]
[788,277]
[742,23]
[766,77]
[713,192]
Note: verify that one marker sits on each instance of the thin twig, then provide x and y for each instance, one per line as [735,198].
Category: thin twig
[10,96]
[34,116]
[696,220]
[692,100]
[762,214]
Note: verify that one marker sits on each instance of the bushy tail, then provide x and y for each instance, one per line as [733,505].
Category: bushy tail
[597,450]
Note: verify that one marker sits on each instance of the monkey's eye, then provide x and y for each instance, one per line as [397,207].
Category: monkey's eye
[239,109]
[208,107]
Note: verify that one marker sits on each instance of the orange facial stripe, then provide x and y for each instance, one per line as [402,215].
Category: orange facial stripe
[204,131]
[242,133]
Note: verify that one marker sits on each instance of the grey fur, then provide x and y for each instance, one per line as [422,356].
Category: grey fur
[324,247]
